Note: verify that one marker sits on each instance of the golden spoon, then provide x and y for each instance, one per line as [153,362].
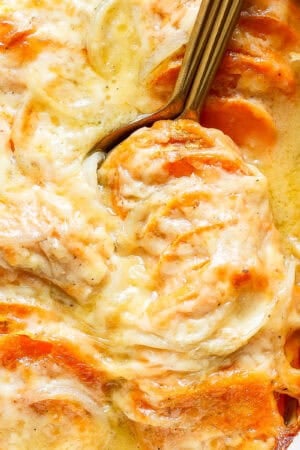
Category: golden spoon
[213,28]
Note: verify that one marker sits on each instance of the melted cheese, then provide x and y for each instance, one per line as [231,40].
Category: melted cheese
[283,170]
[146,304]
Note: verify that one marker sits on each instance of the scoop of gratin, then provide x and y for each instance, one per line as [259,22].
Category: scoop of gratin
[146,302]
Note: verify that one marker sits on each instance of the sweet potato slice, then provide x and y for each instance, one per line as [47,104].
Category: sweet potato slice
[247,123]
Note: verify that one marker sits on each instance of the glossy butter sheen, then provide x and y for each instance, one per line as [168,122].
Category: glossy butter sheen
[133,295]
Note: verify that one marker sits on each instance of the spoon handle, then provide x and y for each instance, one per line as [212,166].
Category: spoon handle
[196,45]
[213,27]
[220,33]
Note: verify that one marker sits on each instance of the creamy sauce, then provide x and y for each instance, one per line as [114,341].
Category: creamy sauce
[282,168]
[70,71]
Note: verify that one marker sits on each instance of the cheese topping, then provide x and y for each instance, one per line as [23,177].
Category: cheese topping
[146,298]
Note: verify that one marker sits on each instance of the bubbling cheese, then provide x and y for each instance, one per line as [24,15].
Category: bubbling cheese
[145,299]
[208,293]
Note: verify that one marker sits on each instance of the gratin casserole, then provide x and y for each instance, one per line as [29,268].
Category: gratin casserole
[148,300]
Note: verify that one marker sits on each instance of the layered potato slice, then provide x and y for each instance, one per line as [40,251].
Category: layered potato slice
[251,420]
[145,301]
[199,351]
[52,389]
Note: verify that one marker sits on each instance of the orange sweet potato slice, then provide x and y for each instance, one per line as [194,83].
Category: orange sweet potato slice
[275,72]
[264,24]
[247,123]
[231,402]
[15,348]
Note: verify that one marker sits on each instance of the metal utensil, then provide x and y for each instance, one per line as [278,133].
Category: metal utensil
[213,28]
